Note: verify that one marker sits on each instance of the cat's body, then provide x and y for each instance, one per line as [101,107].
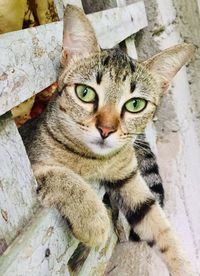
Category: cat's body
[86,134]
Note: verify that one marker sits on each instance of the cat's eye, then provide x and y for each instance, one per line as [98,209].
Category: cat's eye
[85,93]
[135,105]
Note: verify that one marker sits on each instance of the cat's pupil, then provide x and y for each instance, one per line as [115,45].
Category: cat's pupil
[135,103]
[85,91]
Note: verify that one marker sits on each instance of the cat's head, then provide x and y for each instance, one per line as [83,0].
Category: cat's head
[108,98]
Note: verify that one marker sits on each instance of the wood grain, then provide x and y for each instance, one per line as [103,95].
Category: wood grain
[16,182]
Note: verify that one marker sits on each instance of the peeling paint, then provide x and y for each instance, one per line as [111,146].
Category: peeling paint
[3,76]
[3,246]
[4,215]
[59,258]
[47,235]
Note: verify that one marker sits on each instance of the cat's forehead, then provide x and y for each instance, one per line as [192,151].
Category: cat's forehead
[117,65]
[114,73]
[121,63]
[114,62]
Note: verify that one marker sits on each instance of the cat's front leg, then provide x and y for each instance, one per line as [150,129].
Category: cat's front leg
[61,188]
[149,222]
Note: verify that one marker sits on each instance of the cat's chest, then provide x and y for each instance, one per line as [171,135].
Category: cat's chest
[115,168]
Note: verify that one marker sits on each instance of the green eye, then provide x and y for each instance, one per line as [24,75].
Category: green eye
[85,93]
[135,105]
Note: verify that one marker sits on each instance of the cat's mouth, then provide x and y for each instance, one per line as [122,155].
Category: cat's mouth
[101,146]
[101,143]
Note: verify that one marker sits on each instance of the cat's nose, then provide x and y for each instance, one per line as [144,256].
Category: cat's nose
[105,131]
[107,121]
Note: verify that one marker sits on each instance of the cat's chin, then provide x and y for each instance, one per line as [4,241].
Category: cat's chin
[101,148]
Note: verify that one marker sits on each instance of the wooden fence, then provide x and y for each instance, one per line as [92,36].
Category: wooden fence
[35,241]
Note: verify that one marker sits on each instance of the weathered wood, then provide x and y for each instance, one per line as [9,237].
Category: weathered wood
[98,259]
[30,58]
[28,63]
[59,8]
[43,249]
[16,182]
[114,25]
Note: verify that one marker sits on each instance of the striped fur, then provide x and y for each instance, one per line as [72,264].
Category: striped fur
[148,222]
[149,168]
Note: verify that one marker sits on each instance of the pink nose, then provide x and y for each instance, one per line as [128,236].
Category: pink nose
[105,131]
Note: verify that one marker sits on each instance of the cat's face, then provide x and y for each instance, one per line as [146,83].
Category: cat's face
[107,97]
[111,99]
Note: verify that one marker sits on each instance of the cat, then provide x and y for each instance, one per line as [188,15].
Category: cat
[104,101]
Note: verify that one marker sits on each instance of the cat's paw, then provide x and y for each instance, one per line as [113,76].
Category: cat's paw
[94,230]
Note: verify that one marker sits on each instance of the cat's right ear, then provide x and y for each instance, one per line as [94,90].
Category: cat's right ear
[79,38]
[167,63]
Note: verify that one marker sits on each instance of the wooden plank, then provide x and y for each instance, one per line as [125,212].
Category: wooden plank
[28,63]
[97,260]
[35,52]
[114,25]
[43,249]
[16,182]
[59,8]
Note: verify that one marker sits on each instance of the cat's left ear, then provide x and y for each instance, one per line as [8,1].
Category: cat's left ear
[166,64]
[79,38]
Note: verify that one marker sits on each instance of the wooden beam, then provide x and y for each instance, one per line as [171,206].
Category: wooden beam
[114,25]
[29,62]
[29,58]
[16,183]
[45,247]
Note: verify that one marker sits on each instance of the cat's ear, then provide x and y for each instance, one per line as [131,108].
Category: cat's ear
[78,35]
[166,64]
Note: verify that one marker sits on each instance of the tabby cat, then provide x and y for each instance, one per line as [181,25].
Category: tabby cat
[86,134]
